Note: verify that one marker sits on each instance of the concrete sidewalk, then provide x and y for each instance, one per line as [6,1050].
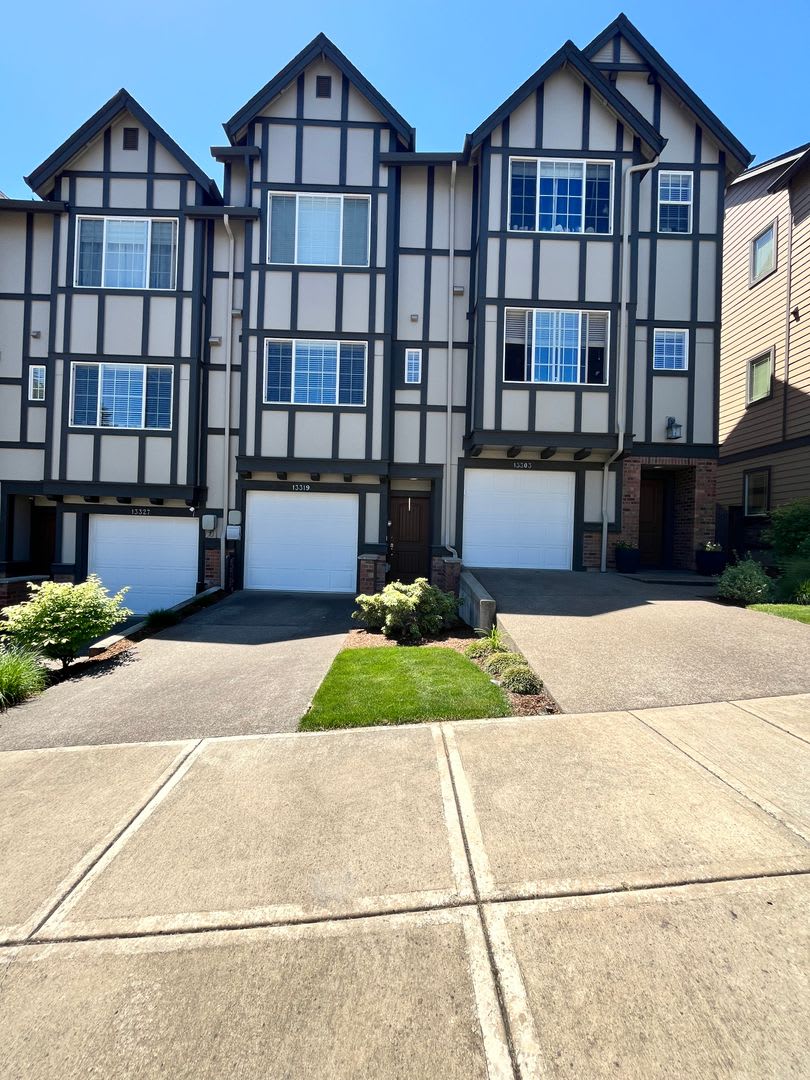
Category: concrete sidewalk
[569,896]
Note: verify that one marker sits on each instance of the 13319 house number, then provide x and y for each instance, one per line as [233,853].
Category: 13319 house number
[301,487]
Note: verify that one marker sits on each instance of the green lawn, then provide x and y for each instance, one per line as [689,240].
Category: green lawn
[799,612]
[400,686]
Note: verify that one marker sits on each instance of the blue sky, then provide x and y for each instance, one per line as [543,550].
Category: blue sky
[445,67]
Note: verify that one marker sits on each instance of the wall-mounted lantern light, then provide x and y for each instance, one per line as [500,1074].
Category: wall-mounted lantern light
[674,429]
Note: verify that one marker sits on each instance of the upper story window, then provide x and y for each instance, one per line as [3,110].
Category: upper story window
[126,253]
[760,376]
[560,196]
[413,365]
[36,382]
[319,230]
[763,254]
[675,202]
[543,346]
[315,372]
[122,396]
[670,350]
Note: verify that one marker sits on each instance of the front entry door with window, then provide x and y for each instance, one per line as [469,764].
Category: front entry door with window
[409,537]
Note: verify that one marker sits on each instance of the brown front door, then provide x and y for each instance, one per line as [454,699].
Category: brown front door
[651,520]
[409,537]
[43,539]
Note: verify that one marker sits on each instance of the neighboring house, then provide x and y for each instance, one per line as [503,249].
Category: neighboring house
[765,349]
[361,350]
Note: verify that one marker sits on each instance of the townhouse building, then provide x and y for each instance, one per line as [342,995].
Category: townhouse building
[765,357]
[356,359]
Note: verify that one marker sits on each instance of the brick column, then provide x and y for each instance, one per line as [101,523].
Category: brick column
[371,578]
[631,494]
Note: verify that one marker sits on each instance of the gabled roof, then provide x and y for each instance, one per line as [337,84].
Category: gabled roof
[123,101]
[783,180]
[319,46]
[781,161]
[622,25]
[616,102]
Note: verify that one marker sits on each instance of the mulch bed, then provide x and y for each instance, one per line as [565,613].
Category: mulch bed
[122,652]
[520,704]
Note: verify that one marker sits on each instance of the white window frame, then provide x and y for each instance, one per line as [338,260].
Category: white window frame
[110,427]
[671,202]
[319,195]
[672,330]
[746,477]
[752,278]
[749,381]
[121,217]
[584,162]
[31,370]
[416,356]
[539,382]
[315,404]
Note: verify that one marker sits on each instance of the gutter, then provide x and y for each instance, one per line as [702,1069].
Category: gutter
[226,450]
[622,349]
[451,251]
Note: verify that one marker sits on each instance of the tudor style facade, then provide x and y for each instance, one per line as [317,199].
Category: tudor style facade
[364,356]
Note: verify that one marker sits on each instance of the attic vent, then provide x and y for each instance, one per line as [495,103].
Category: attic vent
[130,138]
[323,86]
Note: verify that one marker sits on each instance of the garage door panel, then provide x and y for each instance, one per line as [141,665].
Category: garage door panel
[301,542]
[156,557]
[522,519]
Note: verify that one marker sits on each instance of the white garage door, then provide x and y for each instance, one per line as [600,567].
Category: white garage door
[155,556]
[301,543]
[520,519]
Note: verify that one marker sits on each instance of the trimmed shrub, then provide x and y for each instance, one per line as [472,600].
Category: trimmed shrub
[802,594]
[745,583]
[477,650]
[789,530]
[520,679]
[21,675]
[161,619]
[498,662]
[408,611]
[794,581]
[60,618]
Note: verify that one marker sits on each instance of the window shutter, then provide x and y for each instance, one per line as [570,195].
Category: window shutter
[130,138]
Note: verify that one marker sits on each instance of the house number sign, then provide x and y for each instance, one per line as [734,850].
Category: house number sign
[140,511]
[522,464]
[301,487]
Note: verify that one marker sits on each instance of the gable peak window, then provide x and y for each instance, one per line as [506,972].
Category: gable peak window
[546,195]
[760,377]
[674,202]
[318,230]
[122,396]
[413,366]
[670,350]
[126,253]
[546,346]
[130,138]
[763,254]
[323,86]
[314,372]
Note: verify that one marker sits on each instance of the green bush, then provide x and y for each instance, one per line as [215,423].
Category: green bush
[789,530]
[745,582]
[408,611]
[161,619]
[60,618]
[498,662]
[477,650]
[520,679]
[794,581]
[21,675]
[802,594]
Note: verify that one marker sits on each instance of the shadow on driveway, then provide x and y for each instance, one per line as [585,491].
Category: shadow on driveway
[248,664]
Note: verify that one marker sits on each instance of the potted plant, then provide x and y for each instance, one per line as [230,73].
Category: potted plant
[627,557]
[710,559]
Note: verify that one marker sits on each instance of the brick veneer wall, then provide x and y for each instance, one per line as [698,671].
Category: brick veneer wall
[15,590]
[371,577]
[445,573]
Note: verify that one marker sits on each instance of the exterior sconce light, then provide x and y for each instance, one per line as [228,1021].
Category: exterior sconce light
[674,429]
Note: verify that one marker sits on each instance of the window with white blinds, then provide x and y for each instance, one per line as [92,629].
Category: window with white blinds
[546,346]
[318,230]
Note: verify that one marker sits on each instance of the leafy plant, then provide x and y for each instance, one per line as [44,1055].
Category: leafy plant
[712,545]
[520,679]
[494,636]
[21,675]
[408,611]
[802,594]
[789,530]
[477,650]
[745,582]
[60,619]
[161,619]
[626,545]
[498,662]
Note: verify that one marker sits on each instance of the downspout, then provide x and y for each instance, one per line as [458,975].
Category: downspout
[226,449]
[448,456]
[622,348]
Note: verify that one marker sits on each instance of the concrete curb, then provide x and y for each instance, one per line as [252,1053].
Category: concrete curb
[101,646]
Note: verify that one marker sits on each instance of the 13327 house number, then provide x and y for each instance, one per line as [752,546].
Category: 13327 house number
[522,464]
[140,511]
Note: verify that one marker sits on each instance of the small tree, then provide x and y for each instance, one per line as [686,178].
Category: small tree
[60,619]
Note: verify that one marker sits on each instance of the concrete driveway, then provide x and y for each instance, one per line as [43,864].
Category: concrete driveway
[602,641]
[600,895]
[248,664]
